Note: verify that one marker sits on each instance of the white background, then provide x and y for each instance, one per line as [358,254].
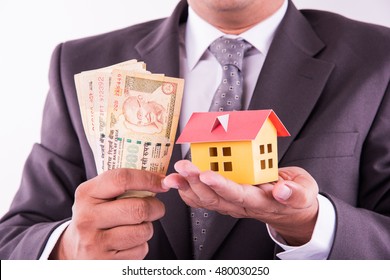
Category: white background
[29,31]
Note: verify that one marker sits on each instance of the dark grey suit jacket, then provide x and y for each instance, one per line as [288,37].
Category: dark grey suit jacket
[327,78]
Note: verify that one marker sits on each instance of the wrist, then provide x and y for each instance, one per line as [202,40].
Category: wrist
[58,252]
[298,231]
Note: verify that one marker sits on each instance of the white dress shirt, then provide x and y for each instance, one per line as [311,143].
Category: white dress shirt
[202,74]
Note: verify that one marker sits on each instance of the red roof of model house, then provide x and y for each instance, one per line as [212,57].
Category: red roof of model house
[228,126]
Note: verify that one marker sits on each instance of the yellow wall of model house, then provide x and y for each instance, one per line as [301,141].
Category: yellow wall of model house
[244,163]
[267,136]
[240,159]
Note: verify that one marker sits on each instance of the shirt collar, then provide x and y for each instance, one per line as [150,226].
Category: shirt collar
[199,34]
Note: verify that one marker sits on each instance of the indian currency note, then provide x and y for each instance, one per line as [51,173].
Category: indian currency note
[92,90]
[86,97]
[101,82]
[120,140]
[142,117]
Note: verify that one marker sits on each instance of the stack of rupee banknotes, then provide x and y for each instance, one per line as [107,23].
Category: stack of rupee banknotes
[130,116]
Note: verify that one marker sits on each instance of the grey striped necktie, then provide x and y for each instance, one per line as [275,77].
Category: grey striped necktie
[228,97]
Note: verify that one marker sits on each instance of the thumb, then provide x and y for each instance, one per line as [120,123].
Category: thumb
[294,195]
[116,182]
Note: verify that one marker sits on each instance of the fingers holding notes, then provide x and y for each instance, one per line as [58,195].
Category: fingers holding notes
[104,227]
[130,117]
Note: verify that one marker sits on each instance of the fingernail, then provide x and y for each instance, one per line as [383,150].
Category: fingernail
[284,192]
[166,186]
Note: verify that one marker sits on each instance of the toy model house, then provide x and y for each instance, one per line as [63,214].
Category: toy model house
[240,145]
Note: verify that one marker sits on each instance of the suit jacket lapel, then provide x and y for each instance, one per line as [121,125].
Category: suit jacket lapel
[292,79]
[160,48]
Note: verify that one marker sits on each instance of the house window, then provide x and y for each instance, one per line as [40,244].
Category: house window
[266,161]
[227,166]
[227,151]
[213,151]
[214,166]
[270,163]
[262,150]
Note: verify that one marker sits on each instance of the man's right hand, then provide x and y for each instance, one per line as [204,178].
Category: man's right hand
[104,227]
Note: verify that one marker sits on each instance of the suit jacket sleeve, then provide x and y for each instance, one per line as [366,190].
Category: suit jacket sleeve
[363,231]
[52,172]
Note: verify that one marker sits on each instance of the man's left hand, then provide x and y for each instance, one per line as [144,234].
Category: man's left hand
[289,205]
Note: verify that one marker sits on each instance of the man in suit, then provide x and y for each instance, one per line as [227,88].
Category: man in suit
[326,77]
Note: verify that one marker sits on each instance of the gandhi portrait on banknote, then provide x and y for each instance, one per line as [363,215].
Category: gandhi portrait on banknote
[140,115]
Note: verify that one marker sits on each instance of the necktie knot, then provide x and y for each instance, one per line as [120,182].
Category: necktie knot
[229,51]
